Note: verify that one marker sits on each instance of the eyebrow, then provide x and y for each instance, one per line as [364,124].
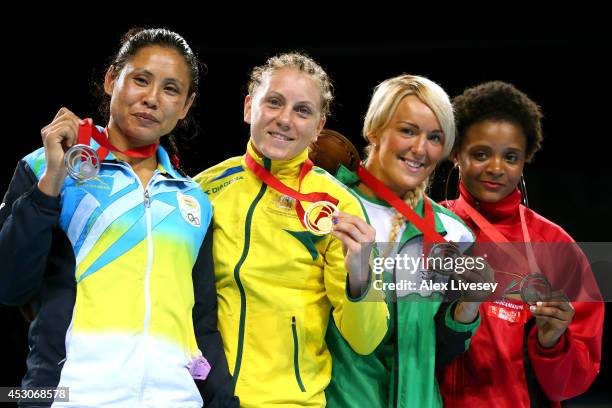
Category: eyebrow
[484,146]
[419,128]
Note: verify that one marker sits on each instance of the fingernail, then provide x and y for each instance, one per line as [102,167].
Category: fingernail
[539,303]
[532,308]
[335,220]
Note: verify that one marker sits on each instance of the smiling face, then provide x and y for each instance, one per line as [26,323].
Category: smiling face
[491,159]
[408,149]
[284,113]
[148,96]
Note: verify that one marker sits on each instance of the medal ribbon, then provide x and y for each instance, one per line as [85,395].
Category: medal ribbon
[88,131]
[426,224]
[493,233]
[267,178]
[489,230]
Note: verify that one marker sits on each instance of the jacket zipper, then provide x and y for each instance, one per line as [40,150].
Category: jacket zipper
[147,287]
[396,334]
[245,252]
[296,355]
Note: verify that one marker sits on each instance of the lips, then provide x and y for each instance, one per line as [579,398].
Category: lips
[492,185]
[413,166]
[146,117]
[280,136]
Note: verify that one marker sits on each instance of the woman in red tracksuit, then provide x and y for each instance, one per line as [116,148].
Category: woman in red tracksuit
[522,355]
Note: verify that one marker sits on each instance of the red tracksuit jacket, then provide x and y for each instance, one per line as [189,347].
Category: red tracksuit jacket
[505,365]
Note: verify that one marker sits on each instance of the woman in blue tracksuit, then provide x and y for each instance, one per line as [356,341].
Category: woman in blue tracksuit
[118,267]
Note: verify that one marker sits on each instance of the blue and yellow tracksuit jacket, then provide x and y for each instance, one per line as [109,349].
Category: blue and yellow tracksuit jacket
[277,284]
[119,274]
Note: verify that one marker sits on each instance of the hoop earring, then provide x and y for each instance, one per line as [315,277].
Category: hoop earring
[456,166]
[523,188]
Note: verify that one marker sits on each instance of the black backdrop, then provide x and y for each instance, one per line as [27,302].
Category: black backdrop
[565,70]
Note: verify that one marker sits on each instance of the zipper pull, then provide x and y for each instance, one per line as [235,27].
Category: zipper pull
[147,199]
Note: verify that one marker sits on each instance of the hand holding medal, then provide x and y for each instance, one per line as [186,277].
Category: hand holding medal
[58,137]
[68,151]
[358,238]
[322,217]
[552,318]
[81,160]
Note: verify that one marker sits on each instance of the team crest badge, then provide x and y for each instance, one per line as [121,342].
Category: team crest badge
[285,202]
[190,208]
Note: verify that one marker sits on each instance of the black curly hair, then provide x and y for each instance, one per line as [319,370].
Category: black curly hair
[499,101]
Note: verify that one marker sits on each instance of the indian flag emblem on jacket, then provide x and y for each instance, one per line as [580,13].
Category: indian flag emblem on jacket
[190,208]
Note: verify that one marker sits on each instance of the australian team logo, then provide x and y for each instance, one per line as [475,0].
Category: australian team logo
[285,202]
[190,208]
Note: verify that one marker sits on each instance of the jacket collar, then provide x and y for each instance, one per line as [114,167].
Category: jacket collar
[163,160]
[505,209]
[279,168]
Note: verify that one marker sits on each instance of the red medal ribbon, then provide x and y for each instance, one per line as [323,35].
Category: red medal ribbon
[426,224]
[492,232]
[489,229]
[88,131]
[266,177]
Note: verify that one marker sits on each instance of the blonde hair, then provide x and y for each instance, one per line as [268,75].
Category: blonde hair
[385,100]
[301,63]
[388,95]
[411,198]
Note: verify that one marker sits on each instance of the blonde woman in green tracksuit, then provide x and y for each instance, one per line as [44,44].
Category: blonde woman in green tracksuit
[410,129]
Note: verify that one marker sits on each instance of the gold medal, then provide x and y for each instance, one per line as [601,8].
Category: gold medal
[319,217]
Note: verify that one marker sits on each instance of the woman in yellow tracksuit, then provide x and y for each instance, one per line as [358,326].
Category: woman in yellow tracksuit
[277,282]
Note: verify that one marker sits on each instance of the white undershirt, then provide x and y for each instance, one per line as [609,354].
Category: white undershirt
[381,218]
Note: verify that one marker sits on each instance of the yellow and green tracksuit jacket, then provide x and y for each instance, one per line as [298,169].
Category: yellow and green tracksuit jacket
[277,284]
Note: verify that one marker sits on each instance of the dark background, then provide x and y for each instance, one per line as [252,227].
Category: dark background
[566,70]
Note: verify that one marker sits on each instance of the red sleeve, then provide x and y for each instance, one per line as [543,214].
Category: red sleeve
[568,368]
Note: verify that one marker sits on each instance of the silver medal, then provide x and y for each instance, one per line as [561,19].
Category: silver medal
[82,162]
